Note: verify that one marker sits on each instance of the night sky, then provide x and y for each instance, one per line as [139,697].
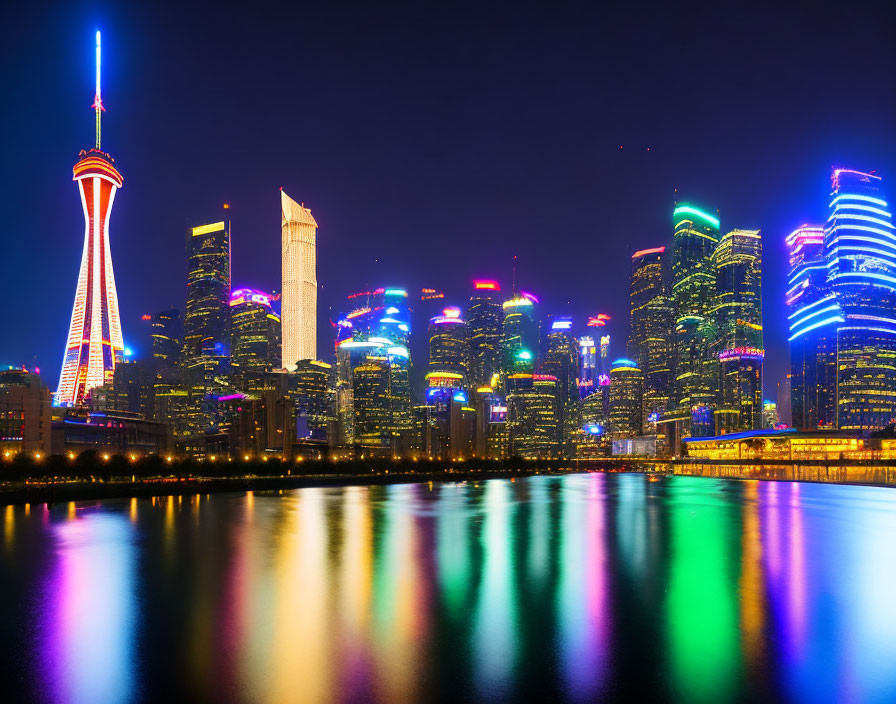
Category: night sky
[432,141]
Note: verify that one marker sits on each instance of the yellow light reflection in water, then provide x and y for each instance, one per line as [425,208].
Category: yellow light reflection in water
[9,526]
[356,584]
[399,628]
[752,610]
[300,646]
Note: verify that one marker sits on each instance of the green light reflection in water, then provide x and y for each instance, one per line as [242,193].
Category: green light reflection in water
[702,603]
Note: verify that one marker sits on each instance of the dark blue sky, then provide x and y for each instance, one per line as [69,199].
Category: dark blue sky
[432,141]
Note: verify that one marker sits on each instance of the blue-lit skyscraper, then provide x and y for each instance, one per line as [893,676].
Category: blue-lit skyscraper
[844,314]
[812,315]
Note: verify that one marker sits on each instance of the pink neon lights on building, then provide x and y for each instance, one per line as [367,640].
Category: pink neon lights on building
[804,243]
[95,344]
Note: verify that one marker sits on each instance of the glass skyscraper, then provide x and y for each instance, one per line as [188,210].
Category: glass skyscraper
[520,333]
[626,398]
[484,319]
[650,337]
[694,367]
[207,318]
[560,361]
[739,339]
[255,331]
[842,310]
[812,313]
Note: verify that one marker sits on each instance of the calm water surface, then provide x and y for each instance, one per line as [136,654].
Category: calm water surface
[579,588]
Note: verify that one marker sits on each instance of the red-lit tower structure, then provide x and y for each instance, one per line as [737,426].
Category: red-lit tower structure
[95,343]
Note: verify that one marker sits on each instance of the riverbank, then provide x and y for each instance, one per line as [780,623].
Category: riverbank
[82,481]
[52,492]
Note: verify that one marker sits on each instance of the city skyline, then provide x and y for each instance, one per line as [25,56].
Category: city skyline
[345,251]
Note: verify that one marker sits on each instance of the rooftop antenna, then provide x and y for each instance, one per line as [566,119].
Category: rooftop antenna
[514,275]
[97,99]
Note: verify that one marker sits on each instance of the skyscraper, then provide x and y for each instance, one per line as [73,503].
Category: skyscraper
[95,343]
[587,379]
[166,333]
[207,319]
[449,346]
[695,370]
[842,298]
[254,331]
[311,388]
[650,339]
[532,415]
[739,340]
[560,361]
[520,332]
[299,261]
[484,317]
[626,398]
[860,248]
[812,314]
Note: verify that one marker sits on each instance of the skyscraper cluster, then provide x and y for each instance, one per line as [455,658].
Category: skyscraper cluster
[406,373]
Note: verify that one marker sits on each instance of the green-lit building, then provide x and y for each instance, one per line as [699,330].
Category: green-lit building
[694,361]
[519,333]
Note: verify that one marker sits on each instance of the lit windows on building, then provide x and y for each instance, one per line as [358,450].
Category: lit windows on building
[739,340]
[484,319]
[626,399]
[299,276]
[694,366]
[254,331]
[650,338]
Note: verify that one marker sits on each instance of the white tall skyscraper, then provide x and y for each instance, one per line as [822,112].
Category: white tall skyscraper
[299,302]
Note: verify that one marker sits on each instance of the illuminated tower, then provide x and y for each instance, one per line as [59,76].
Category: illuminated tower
[738,318]
[95,343]
[841,299]
[626,389]
[649,343]
[484,317]
[695,370]
[449,347]
[207,318]
[560,361]
[299,260]
[860,248]
[254,331]
[520,331]
[812,315]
